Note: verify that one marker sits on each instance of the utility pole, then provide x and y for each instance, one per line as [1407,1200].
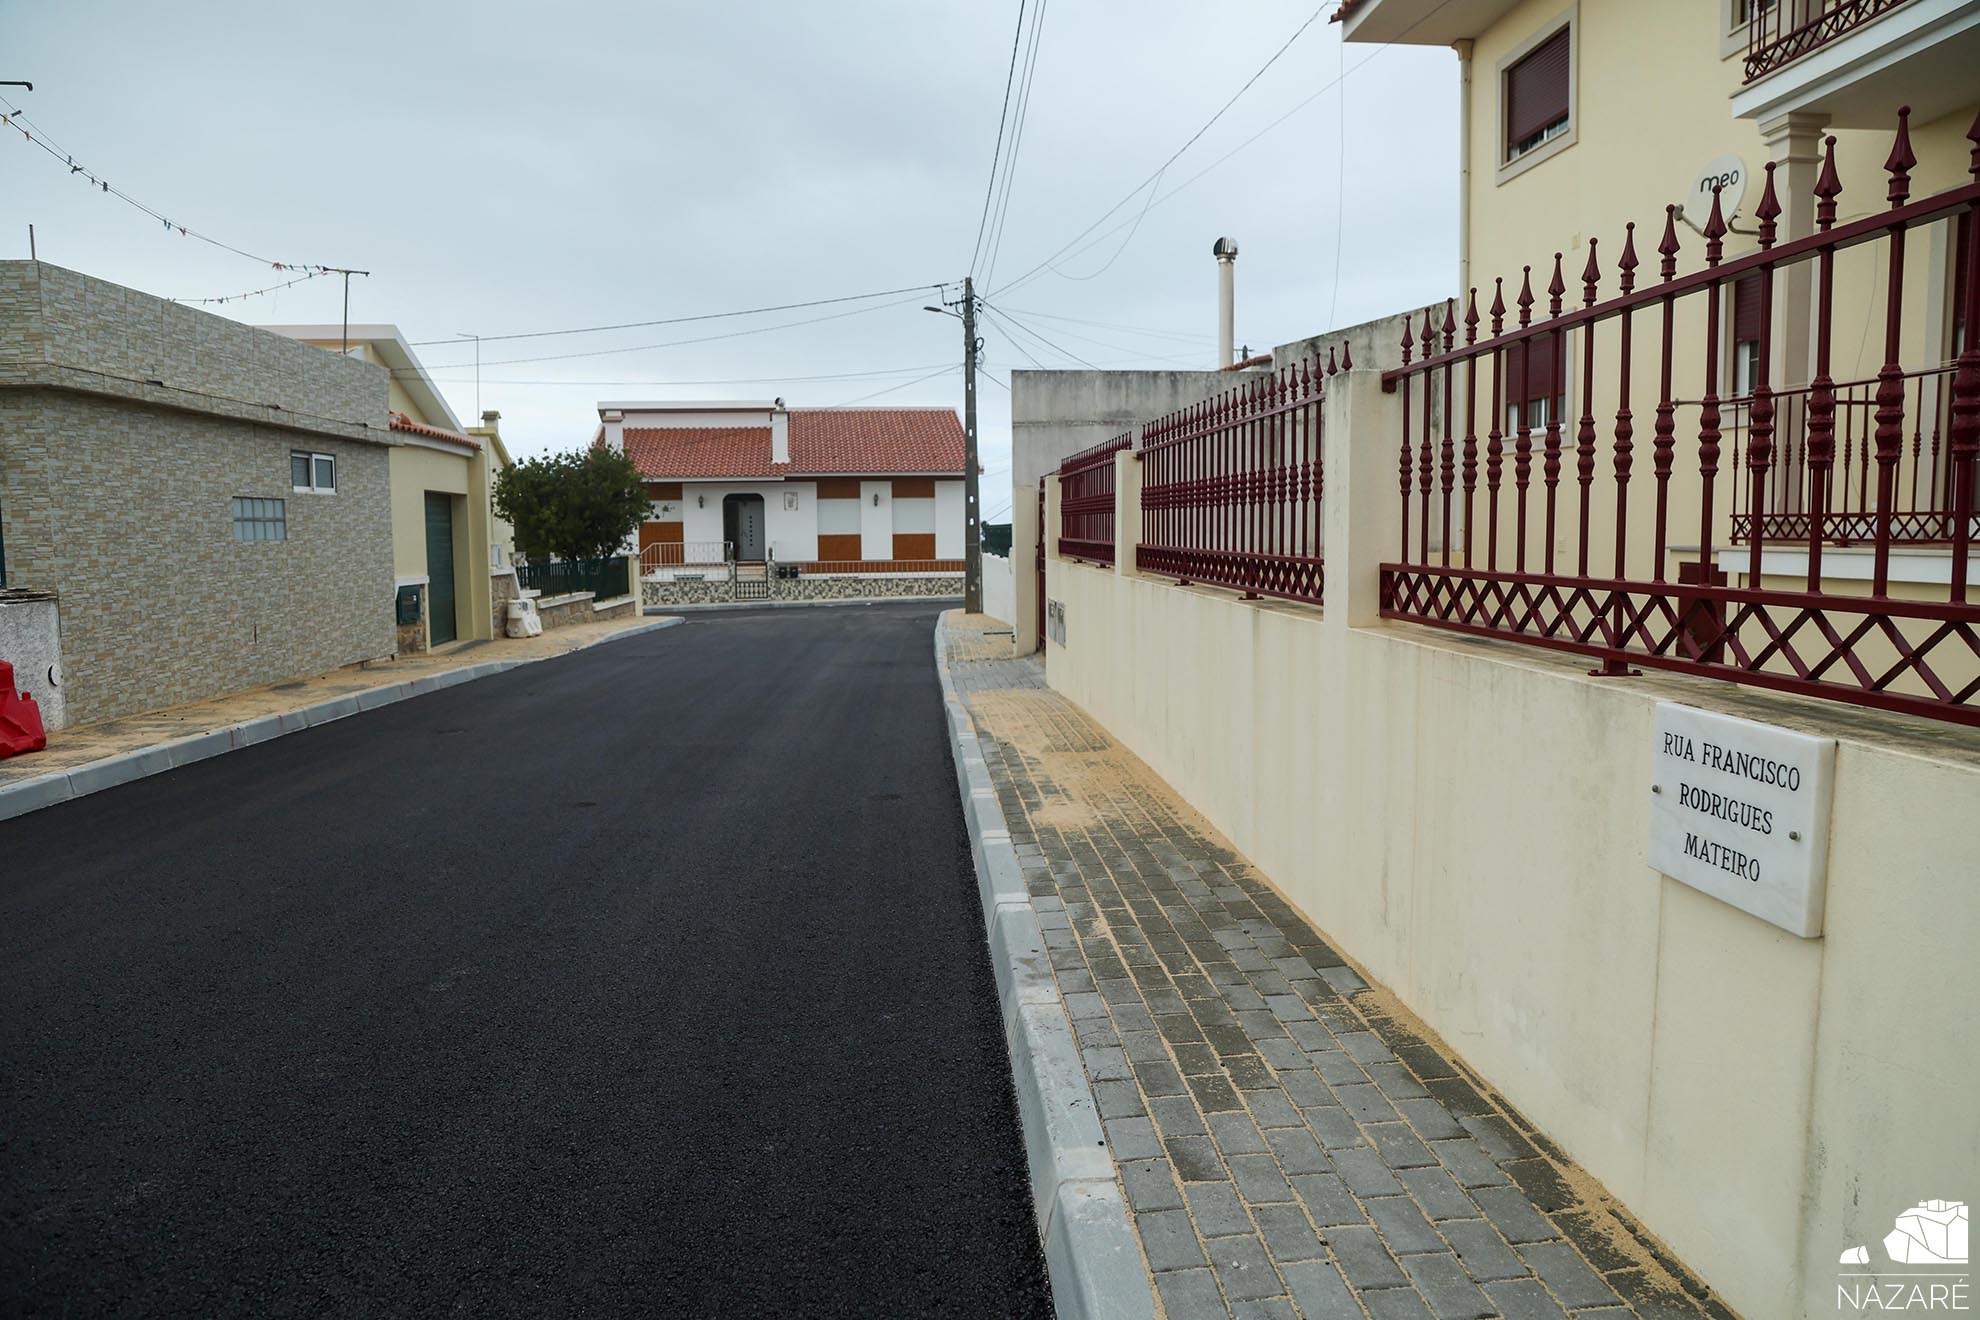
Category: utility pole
[972,505]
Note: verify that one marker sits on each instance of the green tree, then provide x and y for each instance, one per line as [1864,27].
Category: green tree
[580,505]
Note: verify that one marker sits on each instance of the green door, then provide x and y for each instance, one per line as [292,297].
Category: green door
[440,567]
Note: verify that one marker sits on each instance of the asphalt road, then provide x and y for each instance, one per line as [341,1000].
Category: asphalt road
[645,981]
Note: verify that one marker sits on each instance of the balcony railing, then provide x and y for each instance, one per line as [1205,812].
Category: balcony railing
[685,554]
[1779,32]
[1921,479]
[1086,501]
[1540,572]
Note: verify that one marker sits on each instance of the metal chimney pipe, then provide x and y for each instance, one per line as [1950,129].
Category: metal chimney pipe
[1226,250]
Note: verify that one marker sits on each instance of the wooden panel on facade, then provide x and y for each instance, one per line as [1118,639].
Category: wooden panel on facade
[914,488]
[914,545]
[833,546]
[838,488]
[660,533]
[663,490]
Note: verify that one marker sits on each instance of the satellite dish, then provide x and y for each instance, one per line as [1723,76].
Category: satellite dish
[1728,174]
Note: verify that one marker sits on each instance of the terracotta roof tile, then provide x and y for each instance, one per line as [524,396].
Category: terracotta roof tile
[849,441]
[401,422]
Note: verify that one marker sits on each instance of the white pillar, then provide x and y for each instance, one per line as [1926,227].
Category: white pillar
[1361,514]
[1127,511]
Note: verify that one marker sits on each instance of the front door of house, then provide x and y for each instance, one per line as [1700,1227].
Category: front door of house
[440,568]
[742,526]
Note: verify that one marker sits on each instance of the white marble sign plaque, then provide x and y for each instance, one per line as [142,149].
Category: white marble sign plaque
[1740,811]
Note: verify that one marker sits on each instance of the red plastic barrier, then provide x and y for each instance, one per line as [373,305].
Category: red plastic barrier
[20,718]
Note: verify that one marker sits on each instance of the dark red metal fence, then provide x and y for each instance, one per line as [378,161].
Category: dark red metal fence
[1231,489]
[1779,32]
[1086,501]
[1824,638]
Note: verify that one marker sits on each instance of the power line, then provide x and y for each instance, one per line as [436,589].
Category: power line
[996,154]
[15,119]
[671,343]
[1153,179]
[667,384]
[1006,319]
[1017,141]
[1114,325]
[682,320]
[1324,88]
[941,370]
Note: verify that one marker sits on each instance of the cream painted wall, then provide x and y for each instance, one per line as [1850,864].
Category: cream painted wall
[1469,821]
[414,470]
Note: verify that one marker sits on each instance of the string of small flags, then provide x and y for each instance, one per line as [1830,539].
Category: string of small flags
[251,293]
[11,117]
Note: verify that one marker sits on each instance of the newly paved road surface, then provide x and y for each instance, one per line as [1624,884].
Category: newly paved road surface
[645,981]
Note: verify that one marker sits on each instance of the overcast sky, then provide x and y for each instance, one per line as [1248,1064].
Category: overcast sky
[506,168]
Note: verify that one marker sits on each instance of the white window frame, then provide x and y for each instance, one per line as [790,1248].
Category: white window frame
[1569,133]
[313,458]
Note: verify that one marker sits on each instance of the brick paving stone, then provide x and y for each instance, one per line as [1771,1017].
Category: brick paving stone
[1272,1109]
[1402,1224]
[1447,1288]
[1523,1299]
[1169,1240]
[1191,1295]
[1217,1209]
[1287,1234]
[1567,1275]
[1235,1134]
[1196,1159]
[1438,1194]
[1327,1200]
[1364,1260]
[1515,1218]
[1319,1290]
[1259,1180]
[1243,1269]
[1132,1139]
[1484,1253]
[1395,1304]
[1287,1141]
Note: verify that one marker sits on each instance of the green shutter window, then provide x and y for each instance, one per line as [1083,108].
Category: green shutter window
[326,472]
[299,471]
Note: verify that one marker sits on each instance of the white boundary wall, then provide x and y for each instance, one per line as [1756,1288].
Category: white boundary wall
[999,598]
[1469,821]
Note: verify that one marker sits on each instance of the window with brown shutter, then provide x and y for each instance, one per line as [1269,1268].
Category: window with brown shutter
[1536,394]
[1536,92]
[1745,335]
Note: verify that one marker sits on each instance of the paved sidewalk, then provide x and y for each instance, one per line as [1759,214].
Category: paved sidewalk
[1289,1141]
[82,744]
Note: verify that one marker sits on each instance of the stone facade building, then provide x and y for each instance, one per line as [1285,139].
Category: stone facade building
[149,477]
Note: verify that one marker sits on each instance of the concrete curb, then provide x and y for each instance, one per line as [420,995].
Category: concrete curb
[1090,1248]
[46,790]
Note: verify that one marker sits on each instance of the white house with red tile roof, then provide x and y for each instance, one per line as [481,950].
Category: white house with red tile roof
[849,490]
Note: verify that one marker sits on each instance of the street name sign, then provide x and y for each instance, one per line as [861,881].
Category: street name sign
[1740,811]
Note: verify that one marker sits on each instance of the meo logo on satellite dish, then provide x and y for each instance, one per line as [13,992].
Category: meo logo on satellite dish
[1924,1239]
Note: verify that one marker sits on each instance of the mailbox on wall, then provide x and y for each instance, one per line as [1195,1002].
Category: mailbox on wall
[408,604]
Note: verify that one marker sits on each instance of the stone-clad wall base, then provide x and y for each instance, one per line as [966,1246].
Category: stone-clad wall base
[863,588]
[713,591]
